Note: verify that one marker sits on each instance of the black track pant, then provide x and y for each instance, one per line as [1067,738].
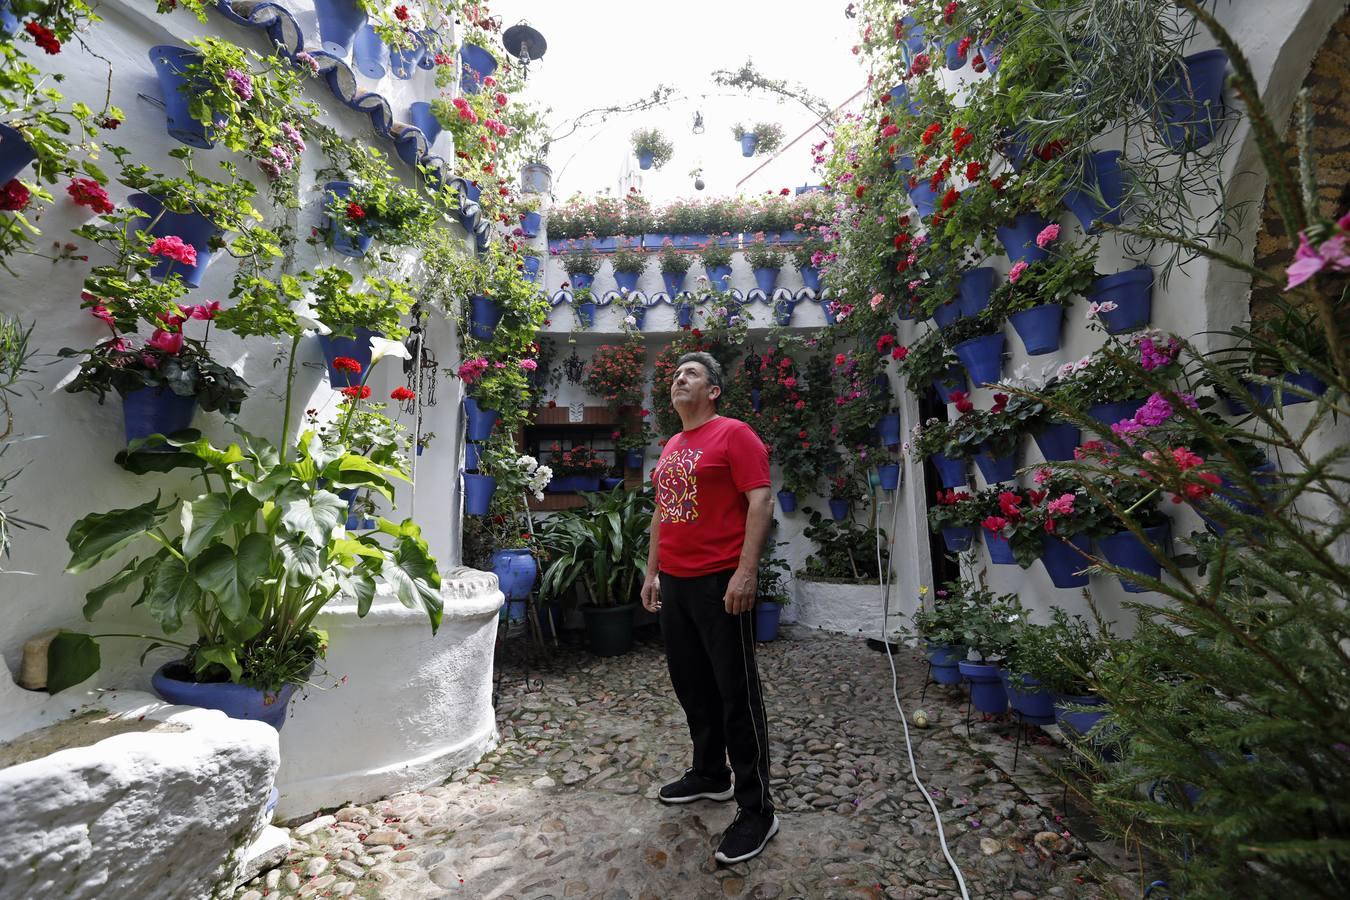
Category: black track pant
[712,666]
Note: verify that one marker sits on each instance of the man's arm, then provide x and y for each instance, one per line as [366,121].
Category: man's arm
[740,596]
[651,585]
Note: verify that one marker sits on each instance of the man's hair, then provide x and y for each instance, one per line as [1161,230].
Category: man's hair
[710,365]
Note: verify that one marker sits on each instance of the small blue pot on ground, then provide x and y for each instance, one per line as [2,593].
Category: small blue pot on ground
[1000,552]
[530,223]
[951,472]
[172,682]
[15,154]
[1132,294]
[645,160]
[944,660]
[484,316]
[516,571]
[787,501]
[839,509]
[767,614]
[1038,328]
[356,347]
[1127,551]
[626,281]
[339,21]
[719,278]
[1109,414]
[765,280]
[749,141]
[354,246]
[975,289]
[193,228]
[1078,723]
[1033,703]
[958,538]
[1019,238]
[156,410]
[986,686]
[996,469]
[674,282]
[171,64]
[478,491]
[475,65]
[1063,562]
[1102,175]
[810,277]
[1190,100]
[1057,441]
[479,422]
[888,429]
[982,357]
[889,476]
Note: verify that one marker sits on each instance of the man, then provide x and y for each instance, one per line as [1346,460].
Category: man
[713,511]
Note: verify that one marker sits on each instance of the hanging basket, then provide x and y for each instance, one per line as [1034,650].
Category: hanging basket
[1102,177]
[171,65]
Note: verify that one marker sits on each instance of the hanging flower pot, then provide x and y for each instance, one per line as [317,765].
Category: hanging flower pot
[787,501]
[585,313]
[674,282]
[1078,722]
[996,468]
[749,141]
[1109,414]
[484,316]
[951,472]
[193,228]
[1057,441]
[838,509]
[1063,562]
[810,277]
[1038,328]
[900,98]
[992,53]
[975,289]
[947,313]
[581,280]
[958,538]
[530,223]
[638,315]
[531,270]
[1000,552]
[355,348]
[536,178]
[371,53]
[1190,100]
[1131,295]
[719,278]
[943,661]
[986,686]
[924,198]
[478,491]
[1034,704]
[403,61]
[684,314]
[645,160]
[173,682]
[425,121]
[156,410]
[15,154]
[982,357]
[171,65]
[888,429]
[1101,177]
[765,279]
[889,476]
[479,422]
[356,521]
[475,65]
[1266,395]
[1019,238]
[767,615]
[339,21]
[782,312]
[516,571]
[956,59]
[626,282]
[341,240]
[472,450]
[1127,551]
[954,380]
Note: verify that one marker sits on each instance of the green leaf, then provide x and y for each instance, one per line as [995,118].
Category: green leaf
[133,571]
[232,575]
[71,658]
[361,586]
[413,576]
[301,562]
[93,171]
[315,517]
[170,592]
[100,535]
[222,656]
[211,515]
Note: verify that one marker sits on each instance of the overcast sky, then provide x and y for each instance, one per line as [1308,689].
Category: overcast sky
[603,53]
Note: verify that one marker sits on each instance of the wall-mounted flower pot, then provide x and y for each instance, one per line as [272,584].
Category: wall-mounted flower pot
[782,312]
[473,192]
[915,34]
[1078,722]
[356,347]
[839,509]
[749,141]
[626,281]
[1000,551]
[1057,441]
[172,681]
[902,163]
[787,501]
[1109,414]
[478,491]
[996,469]
[339,21]
[684,314]
[975,289]
[955,58]
[947,314]
[944,661]
[767,615]
[171,65]
[951,472]
[356,521]
[1039,327]
[1237,498]
[827,309]
[719,278]
[403,61]
[530,223]
[639,316]
[193,228]
[479,422]
[9,23]
[674,282]
[888,475]
[475,65]
[982,357]
[1271,395]
[531,270]
[516,571]
[342,240]
[425,120]
[15,154]
[946,385]
[1019,238]
[472,451]
[1131,292]
[756,399]
[888,429]
[986,686]
[992,54]
[1063,563]
[924,198]
[1098,200]
[484,316]
[1190,100]
[900,98]
[585,313]
[1127,551]
[958,538]
[371,53]
[536,178]
[765,280]
[645,160]
[156,410]
[580,280]
[564,484]
[810,277]
[1034,704]
[633,459]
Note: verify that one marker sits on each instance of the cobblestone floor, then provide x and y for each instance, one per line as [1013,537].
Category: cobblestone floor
[565,807]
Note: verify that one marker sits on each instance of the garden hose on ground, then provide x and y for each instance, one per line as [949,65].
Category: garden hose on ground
[883,575]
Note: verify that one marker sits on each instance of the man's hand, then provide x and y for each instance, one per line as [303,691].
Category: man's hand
[740,596]
[651,595]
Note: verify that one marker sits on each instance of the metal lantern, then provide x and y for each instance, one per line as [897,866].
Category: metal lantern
[525,43]
[575,367]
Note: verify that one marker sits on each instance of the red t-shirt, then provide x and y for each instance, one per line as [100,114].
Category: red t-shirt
[700,484]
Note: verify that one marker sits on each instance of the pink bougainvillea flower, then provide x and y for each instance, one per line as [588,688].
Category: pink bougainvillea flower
[166,341]
[173,247]
[1016,271]
[1048,235]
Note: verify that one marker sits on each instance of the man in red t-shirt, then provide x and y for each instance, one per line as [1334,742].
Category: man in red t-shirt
[713,511]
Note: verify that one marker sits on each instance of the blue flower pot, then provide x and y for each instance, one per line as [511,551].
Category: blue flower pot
[947,313]
[674,283]
[924,198]
[342,242]
[639,316]
[914,37]
[1231,495]
[954,380]
[684,314]
[1078,723]
[478,491]
[484,316]
[516,571]
[581,280]
[756,399]
[888,475]
[888,429]
[156,410]
[958,539]
[1190,100]
[531,270]
[645,160]
[626,281]
[403,62]
[749,141]
[827,309]
[472,450]
[767,614]
[237,701]
[1132,293]
[993,56]
[565,484]
[951,472]
[996,469]
[371,53]
[530,223]
[782,312]
[1000,551]
[1033,703]
[512,611]
[787,501]
[355,521]
[15,154]
[765,279]
[1127,551]
[900,98]
[585,313]
[1109,414]
[171,64]
[1038,328]
[1269,395]
[1102,175]
[193,228]
[902,163]
[982,357]
[1019,238]
[955,58]
[1063,563]
[339,21]
[479,422]
[9,23]
[633,459]
[719,278]
[1057,441]
[810,277]
[475,65]
[425,121]
[473,192]
[943,660]
[975,289]
[839,509]
[986,686]
[356,347]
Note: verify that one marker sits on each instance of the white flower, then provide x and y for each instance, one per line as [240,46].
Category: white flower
[1106,306]
[382,347]
[1093,309]
[629,320]
[1065,370]
[304,314]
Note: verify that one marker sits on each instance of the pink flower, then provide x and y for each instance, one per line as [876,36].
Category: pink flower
[529,365]
[1061,505]
[173,247]
[1309,260]
[88,192]
[1016,271]
[472,369]
[204,312]
[101,313]
[166,341]
[241,82]
[1048,234]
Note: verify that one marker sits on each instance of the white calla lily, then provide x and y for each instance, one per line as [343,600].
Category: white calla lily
[304,314]
[382,347]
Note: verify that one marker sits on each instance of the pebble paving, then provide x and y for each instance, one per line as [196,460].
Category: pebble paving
[565,806]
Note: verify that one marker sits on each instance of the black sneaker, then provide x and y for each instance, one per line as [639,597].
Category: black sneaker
[746,836]
[693,786]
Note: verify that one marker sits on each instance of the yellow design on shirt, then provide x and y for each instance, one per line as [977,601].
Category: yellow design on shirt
[676,486]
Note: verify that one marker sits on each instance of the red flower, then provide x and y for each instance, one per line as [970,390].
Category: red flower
[88,192]
[401,393]
[961,138]
[962,401]
[931,132]
[356,392]
[1000,402]
[977,62]
[963,47]
[995,523]
[355,212]
[347,364]
[949,11]
[401,13]
[14,196]
[884,342]
[950,198]
[973,170]
[899,353]
[43,37]
[859,190]
[784,192]
[1010,504]
[1193,491]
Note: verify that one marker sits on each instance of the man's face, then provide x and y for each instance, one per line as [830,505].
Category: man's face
[691,386]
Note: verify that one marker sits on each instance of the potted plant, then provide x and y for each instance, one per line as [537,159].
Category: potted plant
[978,342]
[1031,657]
[652,148]
[760,139]
[1068,517]
[955,514]
[765,260]
[771,593]
[988,628]
[934,441]
[716,261]
[355,316]
[1062,658]
[358,213]
[806,257]
[941,628]
[991,438]
[674,266]
[628,266]
[581,266]
[1034,295]
[575,469]
[930,361]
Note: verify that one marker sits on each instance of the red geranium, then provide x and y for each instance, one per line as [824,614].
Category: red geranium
[347,364]
[355,212]
[43,37]
[14,196]
[401,394]
[356,392]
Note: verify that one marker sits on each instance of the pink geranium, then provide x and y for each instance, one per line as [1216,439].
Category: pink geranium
[1048,235]
[529,365]
[173,247]
[88,192]
[1016,271]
